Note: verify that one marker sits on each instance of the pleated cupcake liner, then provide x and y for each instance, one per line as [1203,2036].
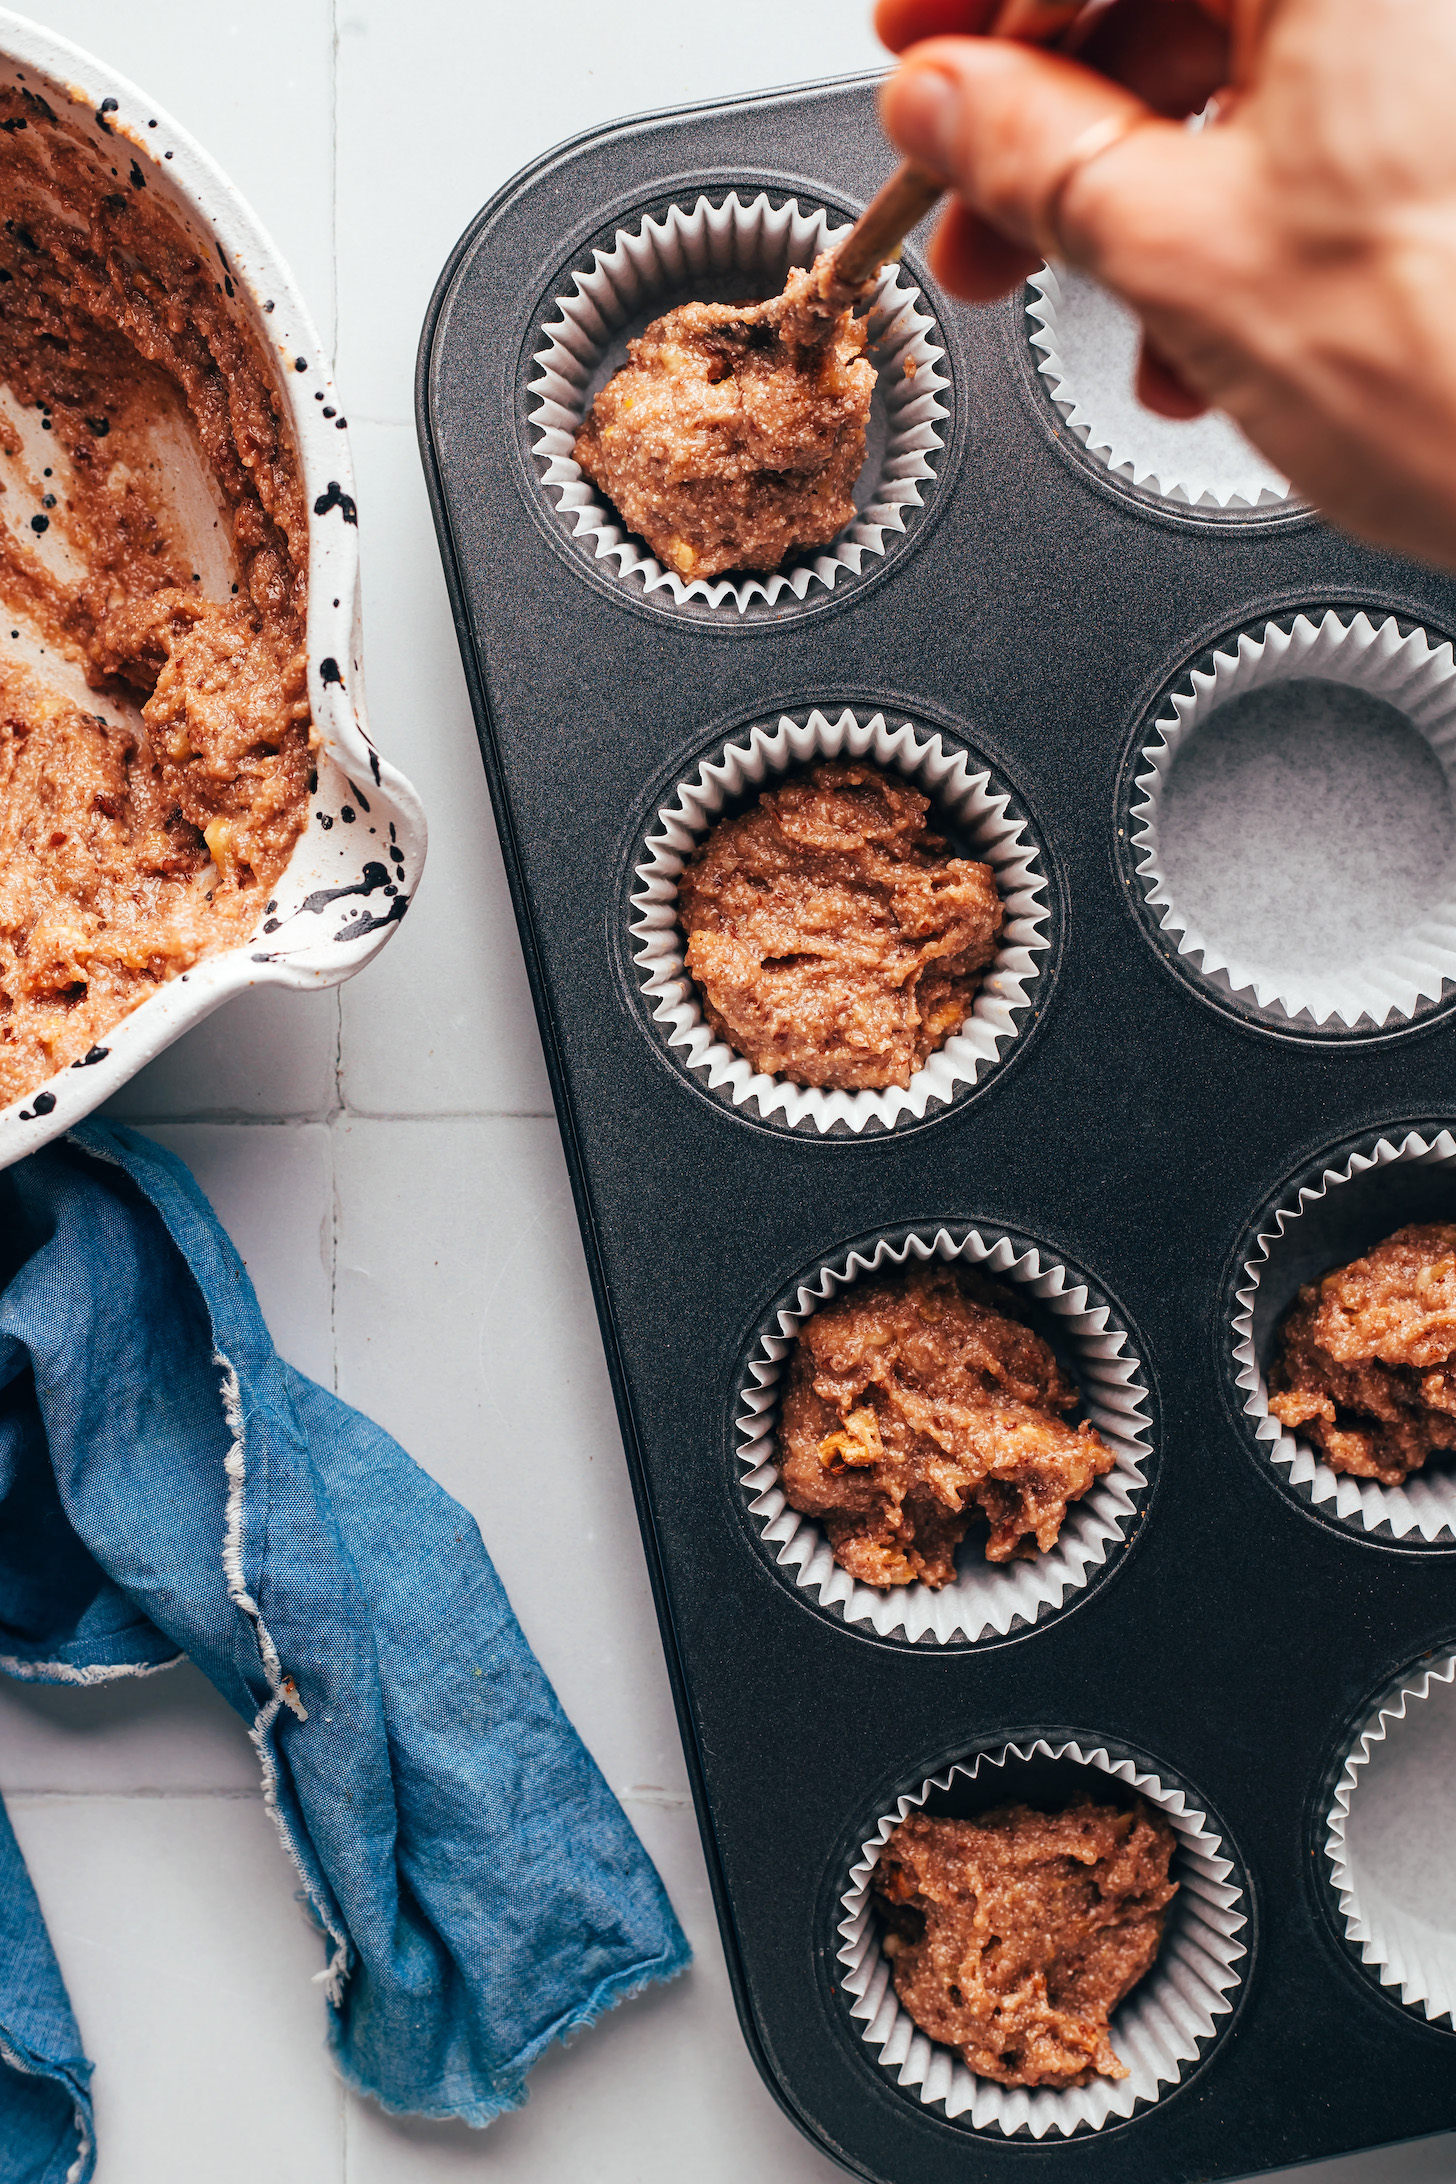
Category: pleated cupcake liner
[1413,673]
[986,1599]
[1086,343]
[1163,2028]
[1407,1949]
[1425,1506]
[734,246]
[980,811]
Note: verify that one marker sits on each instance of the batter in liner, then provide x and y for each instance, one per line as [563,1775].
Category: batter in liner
[833,937]
[1014,1937]
[1367,1365]
[734,435]
[914,1404]
[143,829]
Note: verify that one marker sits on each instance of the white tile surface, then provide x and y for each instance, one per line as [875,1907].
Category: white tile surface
[444,1023]
[190,1968]
[367,133]
[469,1331]
[267,1052]
[170,1732]
[272,1186]
[489,89]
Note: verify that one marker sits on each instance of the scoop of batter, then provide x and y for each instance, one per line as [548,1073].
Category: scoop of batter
[1014,1937]
[915,1404]
[145,829]
[734,437]
[834,938]
[1367,1366]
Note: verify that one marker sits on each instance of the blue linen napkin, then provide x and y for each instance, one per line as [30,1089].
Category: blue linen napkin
[169,1487]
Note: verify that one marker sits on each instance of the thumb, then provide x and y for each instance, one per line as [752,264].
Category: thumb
[1013,129]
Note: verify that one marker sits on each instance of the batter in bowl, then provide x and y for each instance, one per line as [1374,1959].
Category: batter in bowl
[155,736]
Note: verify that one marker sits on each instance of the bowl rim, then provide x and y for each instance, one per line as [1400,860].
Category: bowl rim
[333,636]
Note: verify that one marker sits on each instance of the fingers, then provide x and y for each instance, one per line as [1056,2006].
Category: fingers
[1012,129]
[974,260]
[902,23]
[1151,42]
[1170,53]
[1161,388]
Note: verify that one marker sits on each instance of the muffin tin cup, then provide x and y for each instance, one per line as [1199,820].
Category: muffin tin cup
[1086,346]
[1413,673]
[1317,1225]
[986,1600]
[732,247]
[1163,2027]
[1394,1918]
[981,813]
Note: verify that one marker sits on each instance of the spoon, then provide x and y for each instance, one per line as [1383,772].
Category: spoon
[811,302]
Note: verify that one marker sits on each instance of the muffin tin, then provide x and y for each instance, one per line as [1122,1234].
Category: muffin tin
[1139,1134]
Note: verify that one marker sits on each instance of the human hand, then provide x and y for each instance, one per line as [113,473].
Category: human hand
[1293,264]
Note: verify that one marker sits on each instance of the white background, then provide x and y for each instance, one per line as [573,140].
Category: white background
[422,1258]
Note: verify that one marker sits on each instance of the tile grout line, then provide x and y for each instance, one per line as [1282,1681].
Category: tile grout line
[341,2109]
[334,172]
[338,1079]
[328,1117]
[151,1796]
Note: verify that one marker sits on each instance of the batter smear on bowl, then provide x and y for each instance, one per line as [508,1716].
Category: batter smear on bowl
[153,551]
[1367,1365]
[834,938]
[916,1404]
[735,434]
[1014,1937]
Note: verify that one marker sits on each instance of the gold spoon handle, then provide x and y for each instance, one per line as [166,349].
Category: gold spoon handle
[911,190]
[885,222]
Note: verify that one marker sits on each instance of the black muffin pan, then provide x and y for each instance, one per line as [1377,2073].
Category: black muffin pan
[1038,611]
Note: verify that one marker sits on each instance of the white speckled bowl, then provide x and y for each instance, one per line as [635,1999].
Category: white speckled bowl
[330,912]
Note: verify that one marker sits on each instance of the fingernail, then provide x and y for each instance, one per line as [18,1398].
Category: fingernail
[925,108]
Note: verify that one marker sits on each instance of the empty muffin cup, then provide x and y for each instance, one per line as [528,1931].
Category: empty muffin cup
[1349,1202]
[1087,344]
[1391,1853]
[1166,2023]
[986,826]
[986,1600]
[1291,824]
[732,250]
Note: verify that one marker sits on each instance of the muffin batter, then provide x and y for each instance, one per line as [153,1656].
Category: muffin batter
[1367,1367]
[1014,1937]
[143,831]
[913,1405]
[833,937]
[734,436]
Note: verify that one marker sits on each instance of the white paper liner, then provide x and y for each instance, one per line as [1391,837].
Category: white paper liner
[986,1598]
[1158,2031]
[1390,1843]
[991,833]
[1426,1505]
[739,245]
[1418,678]
[1088,343]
